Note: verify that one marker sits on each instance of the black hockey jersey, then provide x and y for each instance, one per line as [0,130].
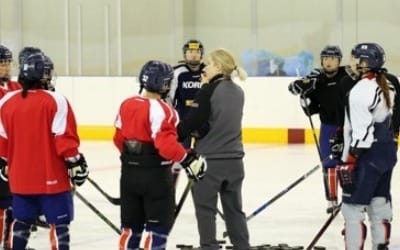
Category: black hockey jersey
[184,87]
[324,99]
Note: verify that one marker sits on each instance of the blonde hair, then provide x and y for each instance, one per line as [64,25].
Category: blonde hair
[228,63]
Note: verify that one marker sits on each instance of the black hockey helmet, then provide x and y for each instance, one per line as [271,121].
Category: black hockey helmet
[331,50]
[193,44]
[372,53]
[33,67]
[25,52]
[5,54]
[156,76]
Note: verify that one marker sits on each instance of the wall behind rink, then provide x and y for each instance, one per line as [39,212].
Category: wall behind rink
[271,113]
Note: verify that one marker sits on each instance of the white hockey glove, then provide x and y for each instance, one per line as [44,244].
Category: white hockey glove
[195,165]
[77,169]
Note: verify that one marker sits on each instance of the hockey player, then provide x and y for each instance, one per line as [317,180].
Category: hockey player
[319,94]
[186,81]
[40,180]
[346,84]
[6,85]
[219,103]
[147,139]
[185,84]
[369,154]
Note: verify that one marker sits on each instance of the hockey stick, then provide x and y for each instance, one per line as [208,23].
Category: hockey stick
[115,201]
[280,194]
[324,227]
[97,212]
[183,198]
[308,113]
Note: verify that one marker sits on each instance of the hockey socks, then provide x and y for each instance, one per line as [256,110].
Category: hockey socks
[59,237]
[5,224]
[157,239]
[20,234]
[130,239]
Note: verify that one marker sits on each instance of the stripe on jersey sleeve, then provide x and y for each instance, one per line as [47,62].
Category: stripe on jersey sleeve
[59,123]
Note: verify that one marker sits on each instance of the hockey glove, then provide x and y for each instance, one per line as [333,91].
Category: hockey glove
[346,170]
[345,174]
[303,86]
[77,169]
[195,165]
[336,143]
[3,169]
[315,73]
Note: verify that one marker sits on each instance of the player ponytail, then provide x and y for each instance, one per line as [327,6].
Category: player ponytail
[228,64]
[383,84]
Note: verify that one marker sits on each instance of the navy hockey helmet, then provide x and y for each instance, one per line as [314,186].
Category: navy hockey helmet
[331,50]
[156,76]
[33,67]
[5,54]
[25,52]
[371,53]
[193,44]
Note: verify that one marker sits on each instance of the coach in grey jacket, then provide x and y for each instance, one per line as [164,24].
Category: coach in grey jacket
[215,118]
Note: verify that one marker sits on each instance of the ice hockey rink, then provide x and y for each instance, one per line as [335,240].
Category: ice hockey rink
[294,219]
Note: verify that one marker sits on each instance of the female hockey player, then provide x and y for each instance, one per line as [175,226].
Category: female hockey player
[185,84]
[369,154]
[146,136]
[219,104]
[319,94]
[39,155]
[6,85]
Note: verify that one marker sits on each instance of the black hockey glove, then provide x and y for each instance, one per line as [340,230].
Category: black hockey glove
[3,169]
[77,169]
[336,143]
[195,165]
[315,73]
[302,86]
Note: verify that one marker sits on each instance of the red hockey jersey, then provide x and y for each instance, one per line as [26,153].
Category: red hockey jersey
[149,121]
[36,134]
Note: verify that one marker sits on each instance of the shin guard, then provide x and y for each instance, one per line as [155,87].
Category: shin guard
[355,229]
[130,239]
[59,237]
[20,234]
[380,215]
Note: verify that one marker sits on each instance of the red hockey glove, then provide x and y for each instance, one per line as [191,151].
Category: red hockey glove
[346,170]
